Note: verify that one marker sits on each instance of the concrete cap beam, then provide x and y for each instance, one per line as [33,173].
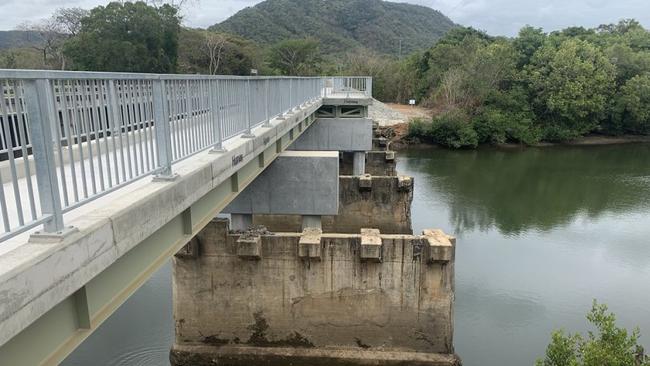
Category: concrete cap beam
[336,134]
[296,183]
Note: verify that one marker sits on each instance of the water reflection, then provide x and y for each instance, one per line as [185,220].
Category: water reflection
[537,188]
[541,232]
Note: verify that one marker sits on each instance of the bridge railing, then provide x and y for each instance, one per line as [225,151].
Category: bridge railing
[348,85]
[70,137]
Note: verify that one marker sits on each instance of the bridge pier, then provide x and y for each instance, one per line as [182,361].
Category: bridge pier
[352,287]
[313,298]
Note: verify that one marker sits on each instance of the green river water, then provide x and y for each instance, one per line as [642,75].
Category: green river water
[541,232]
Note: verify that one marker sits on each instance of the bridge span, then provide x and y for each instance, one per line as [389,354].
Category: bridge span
[106,176]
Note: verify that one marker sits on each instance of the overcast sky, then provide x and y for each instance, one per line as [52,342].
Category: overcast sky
[497,17]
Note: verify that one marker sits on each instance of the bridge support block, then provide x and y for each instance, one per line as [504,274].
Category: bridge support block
[249,246]
[371,248]
[309,244]
[440,246]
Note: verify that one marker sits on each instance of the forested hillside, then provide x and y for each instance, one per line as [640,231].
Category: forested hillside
[341,25]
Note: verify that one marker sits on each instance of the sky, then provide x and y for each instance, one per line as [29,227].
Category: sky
[497,17]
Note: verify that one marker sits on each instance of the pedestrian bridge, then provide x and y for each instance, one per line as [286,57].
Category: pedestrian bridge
[105,176]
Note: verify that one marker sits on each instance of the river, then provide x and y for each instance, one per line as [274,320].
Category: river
[541,233]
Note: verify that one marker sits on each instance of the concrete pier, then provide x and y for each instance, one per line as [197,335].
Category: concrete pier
[315,299]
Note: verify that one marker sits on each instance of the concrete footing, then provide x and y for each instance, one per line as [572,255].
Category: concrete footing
[201,355]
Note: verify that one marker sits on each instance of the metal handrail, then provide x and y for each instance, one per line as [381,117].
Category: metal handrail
[69,137]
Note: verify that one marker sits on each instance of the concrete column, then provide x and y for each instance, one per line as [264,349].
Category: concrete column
[359,163]
[311,221]
[241,222]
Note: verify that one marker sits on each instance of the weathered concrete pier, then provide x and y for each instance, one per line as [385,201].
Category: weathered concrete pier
[314,298]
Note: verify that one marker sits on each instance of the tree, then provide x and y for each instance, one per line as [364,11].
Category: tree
[131,37]
[203,52]
[571,85]
[68,20]
[631,112]
[296,57]
[609,345]
[528,41]
[50,40]
[213,48]
[53,32]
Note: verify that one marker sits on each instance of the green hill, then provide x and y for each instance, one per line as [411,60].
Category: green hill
[340,25]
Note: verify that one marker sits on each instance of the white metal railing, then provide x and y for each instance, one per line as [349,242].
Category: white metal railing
[69,137]
[349,85]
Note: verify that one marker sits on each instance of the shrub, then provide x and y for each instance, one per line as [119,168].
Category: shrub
[453,129]
[608,345]
[418,127]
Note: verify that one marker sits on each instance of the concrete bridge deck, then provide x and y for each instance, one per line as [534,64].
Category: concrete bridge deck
[60,281]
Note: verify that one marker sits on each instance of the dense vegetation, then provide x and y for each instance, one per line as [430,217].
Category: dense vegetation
[341,25]
[536,86]
[608,345]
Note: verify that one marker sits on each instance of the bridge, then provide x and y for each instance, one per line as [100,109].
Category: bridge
[105,176]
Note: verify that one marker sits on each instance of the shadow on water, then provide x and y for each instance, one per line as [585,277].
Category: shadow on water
[535,188]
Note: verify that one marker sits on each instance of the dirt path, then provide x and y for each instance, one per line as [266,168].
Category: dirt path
[389,114]
[411,111]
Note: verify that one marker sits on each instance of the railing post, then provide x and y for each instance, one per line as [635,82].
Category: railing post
[249,133]
[291,95]
[267,119]
[163,132]
[215,109]
[369,87]
[348,87]
[40,121]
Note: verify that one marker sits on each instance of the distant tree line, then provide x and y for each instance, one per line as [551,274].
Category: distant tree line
[533,87]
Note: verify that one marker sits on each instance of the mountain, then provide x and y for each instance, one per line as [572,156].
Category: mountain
[14,38]
[341,25]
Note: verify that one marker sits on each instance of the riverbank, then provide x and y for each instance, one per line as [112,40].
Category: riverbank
[397,135]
